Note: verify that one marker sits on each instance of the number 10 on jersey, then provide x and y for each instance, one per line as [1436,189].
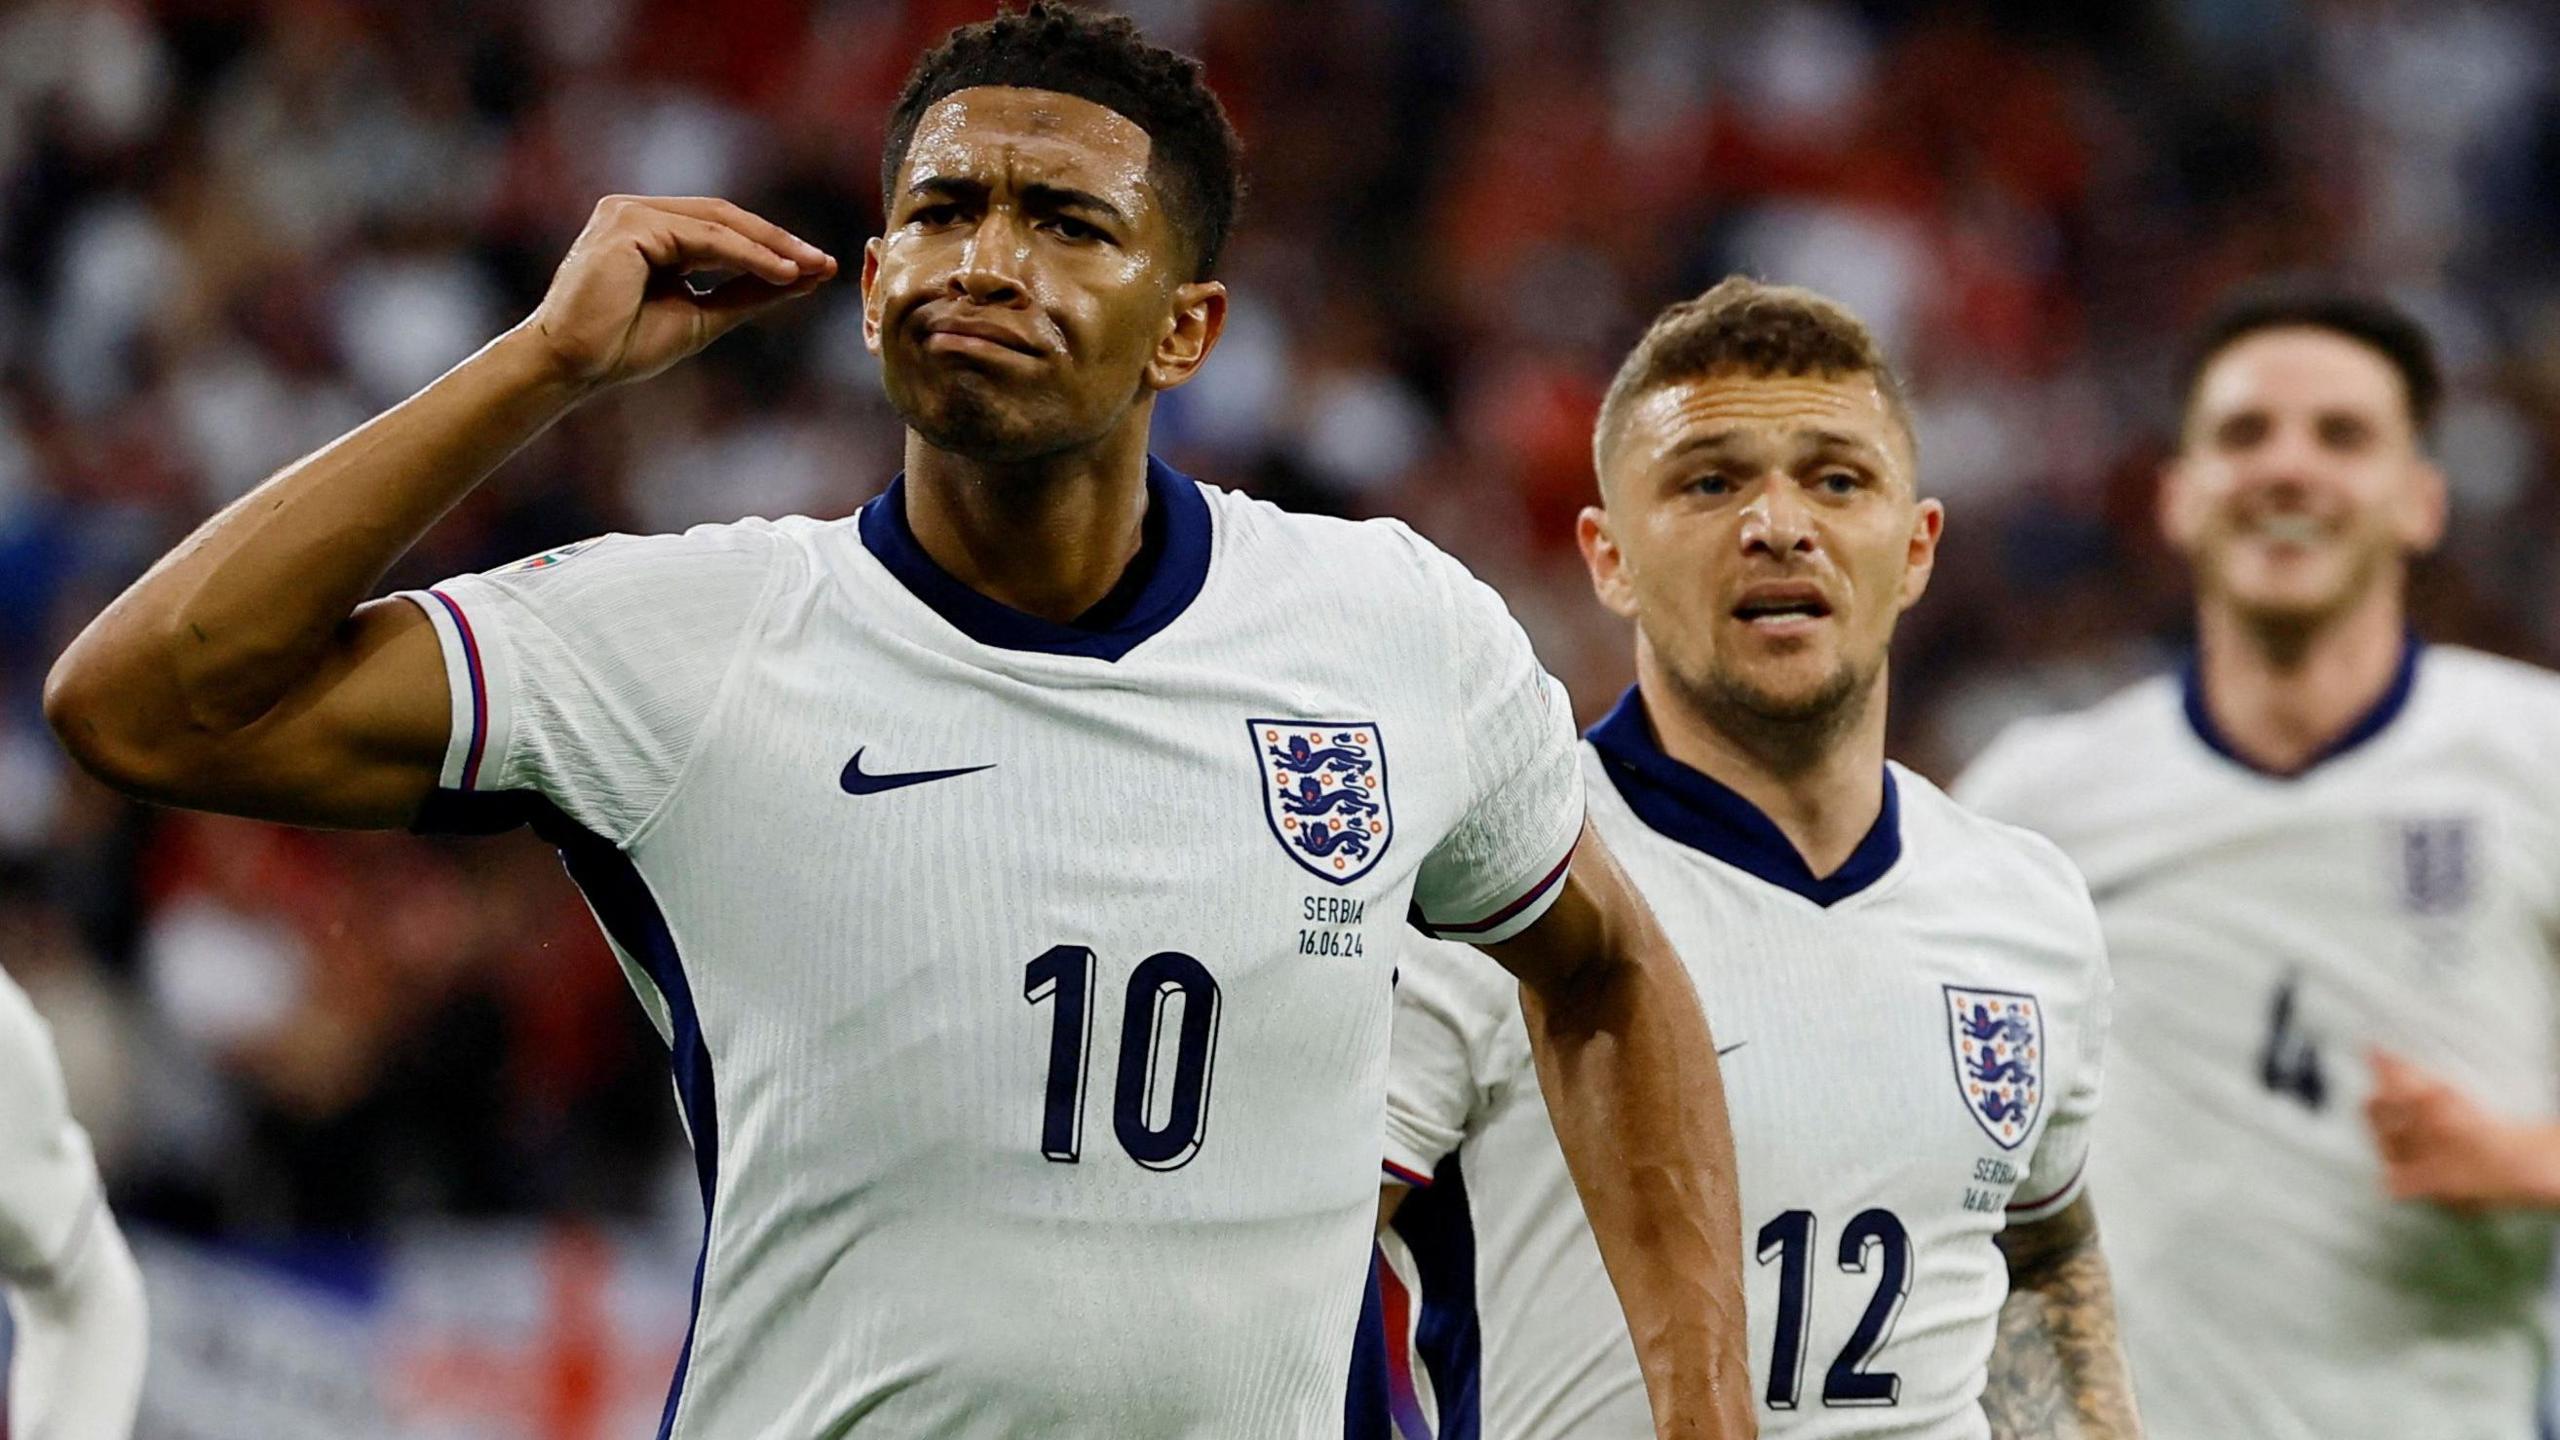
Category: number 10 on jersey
[1160,1103]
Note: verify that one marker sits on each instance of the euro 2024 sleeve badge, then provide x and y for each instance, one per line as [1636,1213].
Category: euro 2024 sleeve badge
[1997,1040]
[1324,790]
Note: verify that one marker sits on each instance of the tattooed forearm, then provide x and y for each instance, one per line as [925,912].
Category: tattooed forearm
[2056,1371]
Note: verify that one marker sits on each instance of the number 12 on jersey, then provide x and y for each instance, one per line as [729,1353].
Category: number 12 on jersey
[1160,1104]
[1871,1234]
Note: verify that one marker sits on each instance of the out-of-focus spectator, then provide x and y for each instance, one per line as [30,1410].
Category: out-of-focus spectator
[229,229]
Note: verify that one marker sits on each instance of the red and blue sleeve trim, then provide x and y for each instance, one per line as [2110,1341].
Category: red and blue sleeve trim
[2058,1192]
[1501,917]
[1404,1396]
[479,690]
[1402,1176]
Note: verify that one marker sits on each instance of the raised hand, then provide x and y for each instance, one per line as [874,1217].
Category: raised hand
[2439,1144]
[619,309]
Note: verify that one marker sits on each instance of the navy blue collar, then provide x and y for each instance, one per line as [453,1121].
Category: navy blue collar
[2373,722]
[1695,810]
[1162,579]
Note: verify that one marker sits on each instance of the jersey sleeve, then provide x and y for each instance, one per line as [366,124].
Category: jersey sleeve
[1503,864]
[585,674]
[2055,1174]
[49,1195]
[1444,1056]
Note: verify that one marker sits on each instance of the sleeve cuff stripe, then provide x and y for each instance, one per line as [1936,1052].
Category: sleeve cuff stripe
[1403,1176]
[479,690]
[2065,1188]
[1498,918]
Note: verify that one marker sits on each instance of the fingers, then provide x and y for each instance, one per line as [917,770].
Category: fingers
[739,301]
[679,240]
[749,224]
[2391,1073]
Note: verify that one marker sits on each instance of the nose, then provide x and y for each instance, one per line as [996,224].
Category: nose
[1777,523]
[989,267]
[2289,459]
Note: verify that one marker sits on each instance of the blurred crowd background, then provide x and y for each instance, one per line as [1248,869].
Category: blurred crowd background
[232,229]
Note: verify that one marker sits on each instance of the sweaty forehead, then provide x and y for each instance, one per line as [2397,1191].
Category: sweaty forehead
[989,133]
[1764,409]
[2299,368]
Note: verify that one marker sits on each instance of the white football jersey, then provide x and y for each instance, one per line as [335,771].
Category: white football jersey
[1027,984]
[2267,932]
[1911,1056]
[50,1202]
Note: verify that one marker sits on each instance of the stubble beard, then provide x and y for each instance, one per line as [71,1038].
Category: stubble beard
[965,416]
[1789,732]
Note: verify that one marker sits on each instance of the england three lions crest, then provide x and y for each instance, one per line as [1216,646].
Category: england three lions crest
[1998,1042]
[2436,872]
[1324,790]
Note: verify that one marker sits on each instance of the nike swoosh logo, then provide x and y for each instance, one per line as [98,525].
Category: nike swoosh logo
[1729,1049]
[857,782]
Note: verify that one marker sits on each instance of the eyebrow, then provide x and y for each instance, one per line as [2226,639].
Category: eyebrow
[1828,440]
[1040,195]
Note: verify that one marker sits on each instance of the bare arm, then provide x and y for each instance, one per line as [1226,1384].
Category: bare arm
[2056,1371]
[2441,1145]
[81,1337]
[1629,1072]
[240,674]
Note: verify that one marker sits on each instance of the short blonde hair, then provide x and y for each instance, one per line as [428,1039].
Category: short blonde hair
[1745,327]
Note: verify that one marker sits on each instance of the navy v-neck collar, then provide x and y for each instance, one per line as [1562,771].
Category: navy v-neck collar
[1162,579]
[2373,722]
[1688,806]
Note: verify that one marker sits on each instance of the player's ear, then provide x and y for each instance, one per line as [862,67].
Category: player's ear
[1199,317]
[1611,578]
[1920,561]
[2423,502]
[871,294]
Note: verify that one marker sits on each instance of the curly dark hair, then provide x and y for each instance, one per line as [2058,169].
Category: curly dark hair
[1197,163]
[2301,304]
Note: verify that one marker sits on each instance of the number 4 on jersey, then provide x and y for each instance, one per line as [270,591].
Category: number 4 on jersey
[1064,974]
[2289,1063]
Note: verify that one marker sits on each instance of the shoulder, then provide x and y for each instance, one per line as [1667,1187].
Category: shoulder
[1948,825]
[2473,679]
[2502,716]
[1383,552]
[723,568]
[2030,876]
[2037,759]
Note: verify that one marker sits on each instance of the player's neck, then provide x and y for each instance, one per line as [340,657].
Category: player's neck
[1821,785]
[2282,696]
[1048,537]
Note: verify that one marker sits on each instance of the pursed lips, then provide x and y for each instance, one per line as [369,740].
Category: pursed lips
[986,332]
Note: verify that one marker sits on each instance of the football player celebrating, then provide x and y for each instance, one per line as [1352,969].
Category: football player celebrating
[1912,998]
[75,1298]
[1011,867]
[2328,861]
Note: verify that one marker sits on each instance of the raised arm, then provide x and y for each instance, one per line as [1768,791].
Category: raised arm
[2056,1370]
[244,673]
[1629,1073]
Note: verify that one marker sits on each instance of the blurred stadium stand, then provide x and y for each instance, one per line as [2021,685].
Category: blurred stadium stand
[395,1143]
